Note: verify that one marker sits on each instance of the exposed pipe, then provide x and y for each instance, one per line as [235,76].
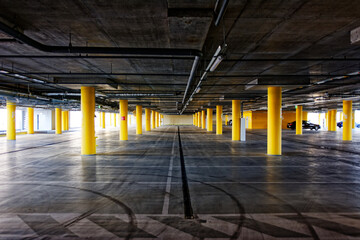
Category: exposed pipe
[221,12]
[191,77]
[97,50]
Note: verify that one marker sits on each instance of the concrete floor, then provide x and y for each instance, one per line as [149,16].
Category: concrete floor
[134,189]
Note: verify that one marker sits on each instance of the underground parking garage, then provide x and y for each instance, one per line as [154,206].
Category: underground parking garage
[207,119]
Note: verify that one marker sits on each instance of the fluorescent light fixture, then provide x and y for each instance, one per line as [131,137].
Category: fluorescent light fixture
[216,63]
[251,84]
[197,90]
[4,72]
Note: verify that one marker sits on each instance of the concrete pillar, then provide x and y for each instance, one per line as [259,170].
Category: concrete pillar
[63,120]
[203,117]
[102,120]
[58,124]
[30,120]
[138,119]
[199,119]
[88,140]
[347,120]
[147,119]
[123,119]
[274,121]
[353,119]
[299,115]
[235,120]
[153,120]
[226,119]
[209,119]
[219,120]
[11,124]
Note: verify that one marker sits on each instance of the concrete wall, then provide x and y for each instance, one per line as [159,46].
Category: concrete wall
[178,119]
[288,116]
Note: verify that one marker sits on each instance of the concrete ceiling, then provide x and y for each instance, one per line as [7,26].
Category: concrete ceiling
[303,46]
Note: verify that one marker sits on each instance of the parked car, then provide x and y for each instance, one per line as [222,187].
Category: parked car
[305,125]
[340,124]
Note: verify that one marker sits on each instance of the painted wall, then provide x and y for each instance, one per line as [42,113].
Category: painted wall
[178,119]
[248,119]
[287,117]
[259,119]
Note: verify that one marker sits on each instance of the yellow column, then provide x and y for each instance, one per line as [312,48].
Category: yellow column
[226,120]
[11,124]
[147,119]
[333,120]
[88,142]
[203,117]
[327,116]
[299,116]
[341,116]
[236,120]
[199,119]
[138,119]
[157,119]
[209,119]
[58,121]
[353,119]
[218,119]
[63,122]
[123,119]
[67,119]
[319,121]
[102,120]
[153,124]
[30,120]
[347,120]
[114,119]
[195,119]
[274,121]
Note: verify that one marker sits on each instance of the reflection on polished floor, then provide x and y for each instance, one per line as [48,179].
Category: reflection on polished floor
[135,189]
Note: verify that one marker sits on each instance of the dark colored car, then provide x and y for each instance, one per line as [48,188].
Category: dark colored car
[230,122]
[305,125]
[340,124]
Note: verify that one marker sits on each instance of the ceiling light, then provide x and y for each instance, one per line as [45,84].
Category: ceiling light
[216,63]
[197,90]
